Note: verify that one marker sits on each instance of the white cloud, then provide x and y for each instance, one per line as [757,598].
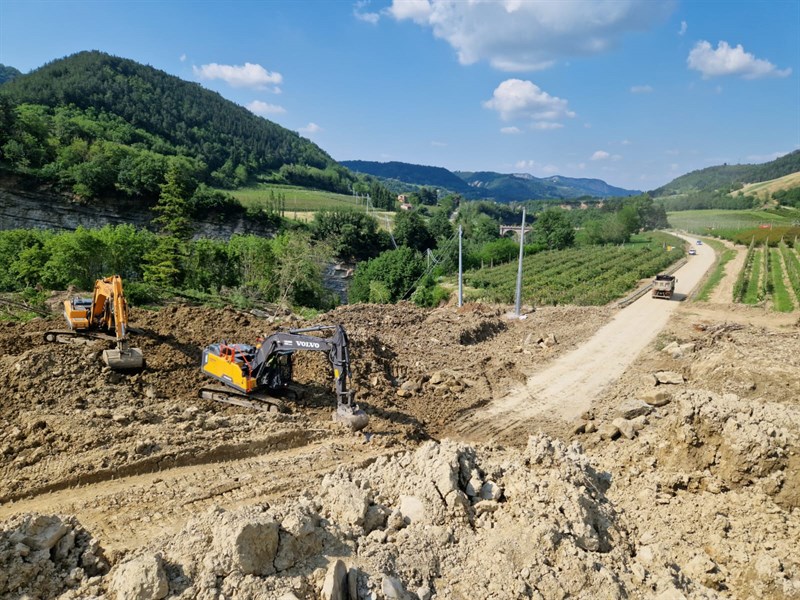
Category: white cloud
[600,155]
[436,144]
[310,129]
[516,35]
[183,57]
[641,89]
[532,165]
[517,99]
[546,125]
[672,152]
[262,108]
[626,142]
[684,27]
[247,75]
[510,130]
[365,15]
[726,60]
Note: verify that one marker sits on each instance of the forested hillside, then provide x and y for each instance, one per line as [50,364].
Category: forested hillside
[85,118]
[489,185]
[8,73]
[726,177]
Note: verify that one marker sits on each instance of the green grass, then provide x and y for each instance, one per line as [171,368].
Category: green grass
[752,294]
[711,221]
[780,295]
[586,275]
[724,256]
[297,198]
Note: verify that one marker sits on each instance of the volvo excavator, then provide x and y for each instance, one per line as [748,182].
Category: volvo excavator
[104,316]
[250,374]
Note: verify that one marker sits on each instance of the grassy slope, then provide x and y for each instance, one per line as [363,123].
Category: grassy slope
[765,188]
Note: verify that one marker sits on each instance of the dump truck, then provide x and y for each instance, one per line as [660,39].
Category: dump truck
[664,286]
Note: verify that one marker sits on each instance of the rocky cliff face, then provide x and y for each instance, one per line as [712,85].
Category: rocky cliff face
[31,210]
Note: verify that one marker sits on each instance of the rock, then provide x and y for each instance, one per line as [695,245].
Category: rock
[246,543]
[587,415]
[656,398]
[608,431]
[491,491]
[352,584]
[669,377]
[671,348]
[411,386]
[579,428]
[289,596]
[404,393]
[424,593]
[486,506]
[631,409]
[473,486]
[625,427]
[140,578]
[392,588]
[436,378]
[412,508]
[590,427]
[42,532]
[335,585]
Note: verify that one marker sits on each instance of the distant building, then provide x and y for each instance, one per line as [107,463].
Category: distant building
[402,198]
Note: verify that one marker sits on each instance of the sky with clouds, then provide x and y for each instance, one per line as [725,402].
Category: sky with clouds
[635,92]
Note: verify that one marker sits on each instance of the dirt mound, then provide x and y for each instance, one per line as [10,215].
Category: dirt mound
[43,556]
[448,520]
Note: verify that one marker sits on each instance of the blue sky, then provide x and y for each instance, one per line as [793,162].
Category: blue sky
[632,92]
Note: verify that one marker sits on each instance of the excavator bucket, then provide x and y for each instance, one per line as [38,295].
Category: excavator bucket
[356,419]
[131,359]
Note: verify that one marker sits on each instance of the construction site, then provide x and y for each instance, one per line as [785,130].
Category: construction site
[487,468]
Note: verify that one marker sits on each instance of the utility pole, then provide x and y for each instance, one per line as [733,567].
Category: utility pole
[518,299]
[460,272]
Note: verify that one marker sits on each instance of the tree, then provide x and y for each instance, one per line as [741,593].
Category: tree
[410,230]
[299,265]
[553,230]
[440,226]
[173,203]
[351,234]
[398,270]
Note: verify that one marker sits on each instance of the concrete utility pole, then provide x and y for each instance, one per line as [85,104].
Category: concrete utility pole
[460,273]
[518,299]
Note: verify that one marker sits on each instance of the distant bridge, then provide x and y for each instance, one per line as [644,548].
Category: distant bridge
[506,229]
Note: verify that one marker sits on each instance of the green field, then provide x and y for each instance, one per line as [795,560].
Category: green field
[302,203]
[724,256]
[709,222]
[587,275]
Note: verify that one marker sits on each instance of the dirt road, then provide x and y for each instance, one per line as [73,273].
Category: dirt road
[567,387]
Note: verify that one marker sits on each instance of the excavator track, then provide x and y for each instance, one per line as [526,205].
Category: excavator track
[70,336]
[260,402]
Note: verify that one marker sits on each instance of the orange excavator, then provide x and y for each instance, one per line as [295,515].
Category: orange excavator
[104,316]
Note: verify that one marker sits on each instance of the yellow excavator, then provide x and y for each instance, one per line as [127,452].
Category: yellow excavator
[104,316]
[251,374]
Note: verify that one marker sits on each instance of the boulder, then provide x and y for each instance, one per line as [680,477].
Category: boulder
[140,578]
[630,409]
[669,377]
[625,427]
[656,398]
[608,431]
[392,588]
[335,585]
[246,543]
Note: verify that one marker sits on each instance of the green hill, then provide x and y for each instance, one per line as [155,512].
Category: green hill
[726,177]
[488,185]
[8,73]
[95,109]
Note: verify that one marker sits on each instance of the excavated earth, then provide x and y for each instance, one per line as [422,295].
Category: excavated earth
[681,481]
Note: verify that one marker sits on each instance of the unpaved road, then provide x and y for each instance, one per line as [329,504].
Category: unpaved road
[567,387]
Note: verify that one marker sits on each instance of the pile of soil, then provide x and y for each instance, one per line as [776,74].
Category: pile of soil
[680,481]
